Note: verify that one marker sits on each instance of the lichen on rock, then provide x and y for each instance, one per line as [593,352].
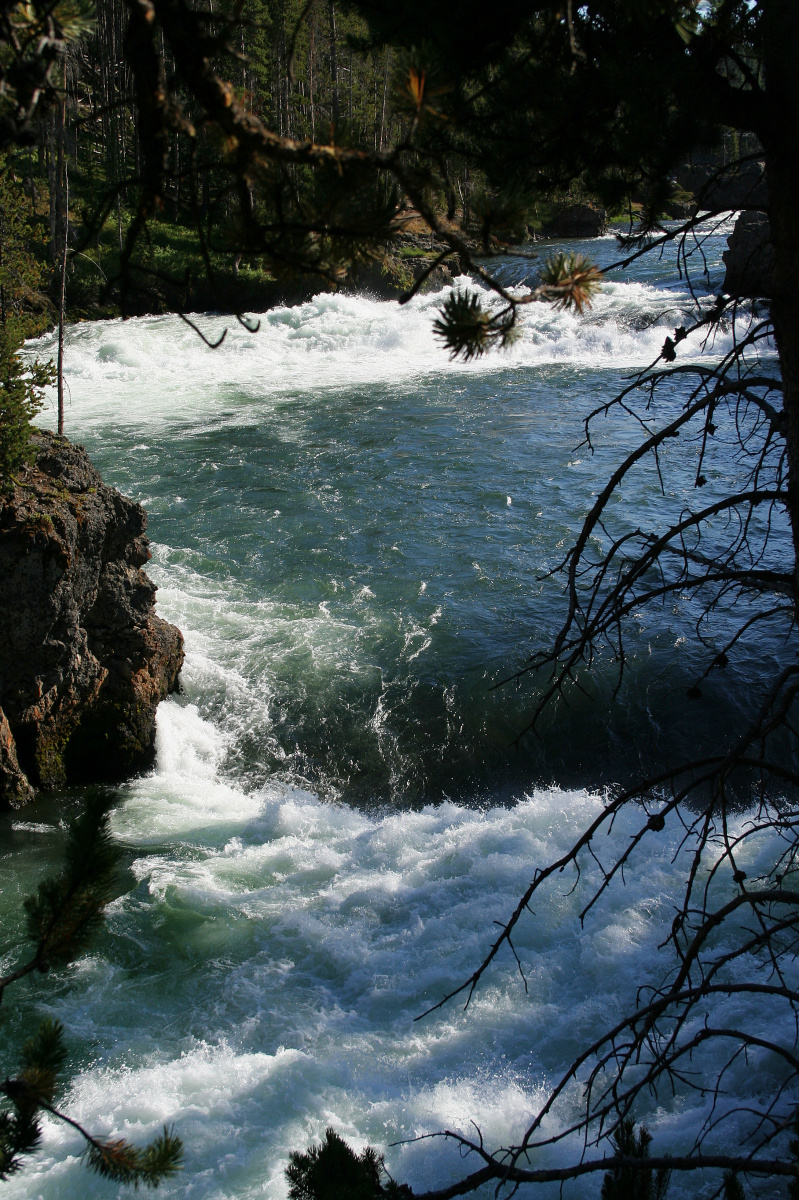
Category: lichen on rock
[84,660]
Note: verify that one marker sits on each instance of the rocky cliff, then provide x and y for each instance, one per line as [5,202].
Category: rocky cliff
[84,660]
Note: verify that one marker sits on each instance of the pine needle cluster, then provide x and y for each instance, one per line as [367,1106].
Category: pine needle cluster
[468,331]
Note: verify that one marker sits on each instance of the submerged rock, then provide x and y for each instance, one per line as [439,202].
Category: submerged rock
[84,660]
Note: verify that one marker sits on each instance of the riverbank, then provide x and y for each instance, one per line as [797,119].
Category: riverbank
[178,280]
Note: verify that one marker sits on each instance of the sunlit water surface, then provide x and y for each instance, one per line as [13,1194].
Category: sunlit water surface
[351,531]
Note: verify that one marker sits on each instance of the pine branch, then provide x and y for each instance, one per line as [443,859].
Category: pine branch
[67,910]
[63,915]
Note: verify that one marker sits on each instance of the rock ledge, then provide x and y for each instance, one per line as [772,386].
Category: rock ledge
[84,660]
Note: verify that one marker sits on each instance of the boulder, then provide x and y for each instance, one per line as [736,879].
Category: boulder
[749,257]
[679,210]
[84,660]
[578,220]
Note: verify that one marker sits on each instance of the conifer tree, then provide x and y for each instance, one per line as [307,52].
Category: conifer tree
[333,1171]
[20,399]
[626,1182]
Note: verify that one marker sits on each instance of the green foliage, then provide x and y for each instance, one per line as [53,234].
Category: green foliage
[22,304]
[631,1183]
[333,1171]
[20,398]
[68,20]
[42,1057]
[469,331]
[121,1162]
[63,915]
[33,1089]
[20,1134]
[22,313]
[571,280]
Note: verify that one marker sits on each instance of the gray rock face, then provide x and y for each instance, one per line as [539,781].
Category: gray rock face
[84,661]
[749,257]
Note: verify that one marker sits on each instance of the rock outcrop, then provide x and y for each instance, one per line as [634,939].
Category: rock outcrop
[84,660]
[578,220]
[749,257]
[394,283]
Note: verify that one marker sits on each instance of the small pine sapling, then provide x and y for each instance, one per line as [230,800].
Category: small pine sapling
[23,313]
[20,399]
[333,1171]
[62,917]
[631,1182]
[733,1188]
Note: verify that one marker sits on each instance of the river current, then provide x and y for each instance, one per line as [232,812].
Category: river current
[353,532]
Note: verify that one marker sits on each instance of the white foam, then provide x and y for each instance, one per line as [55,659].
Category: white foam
[297,950]
[159,371]
[185,793]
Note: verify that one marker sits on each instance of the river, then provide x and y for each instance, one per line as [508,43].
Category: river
[351,531]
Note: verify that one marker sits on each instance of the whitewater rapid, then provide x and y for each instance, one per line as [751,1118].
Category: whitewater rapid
[260,982]
[335,341]
[351,532]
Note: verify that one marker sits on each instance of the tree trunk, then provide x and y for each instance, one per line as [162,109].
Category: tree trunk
[311,48]
[60,368]
[52,184]
[781,142]
[385,94]
[333,61]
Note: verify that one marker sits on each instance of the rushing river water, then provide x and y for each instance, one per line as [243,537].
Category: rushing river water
[351,531]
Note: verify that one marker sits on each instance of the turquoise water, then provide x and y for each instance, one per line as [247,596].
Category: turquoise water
[351,531]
